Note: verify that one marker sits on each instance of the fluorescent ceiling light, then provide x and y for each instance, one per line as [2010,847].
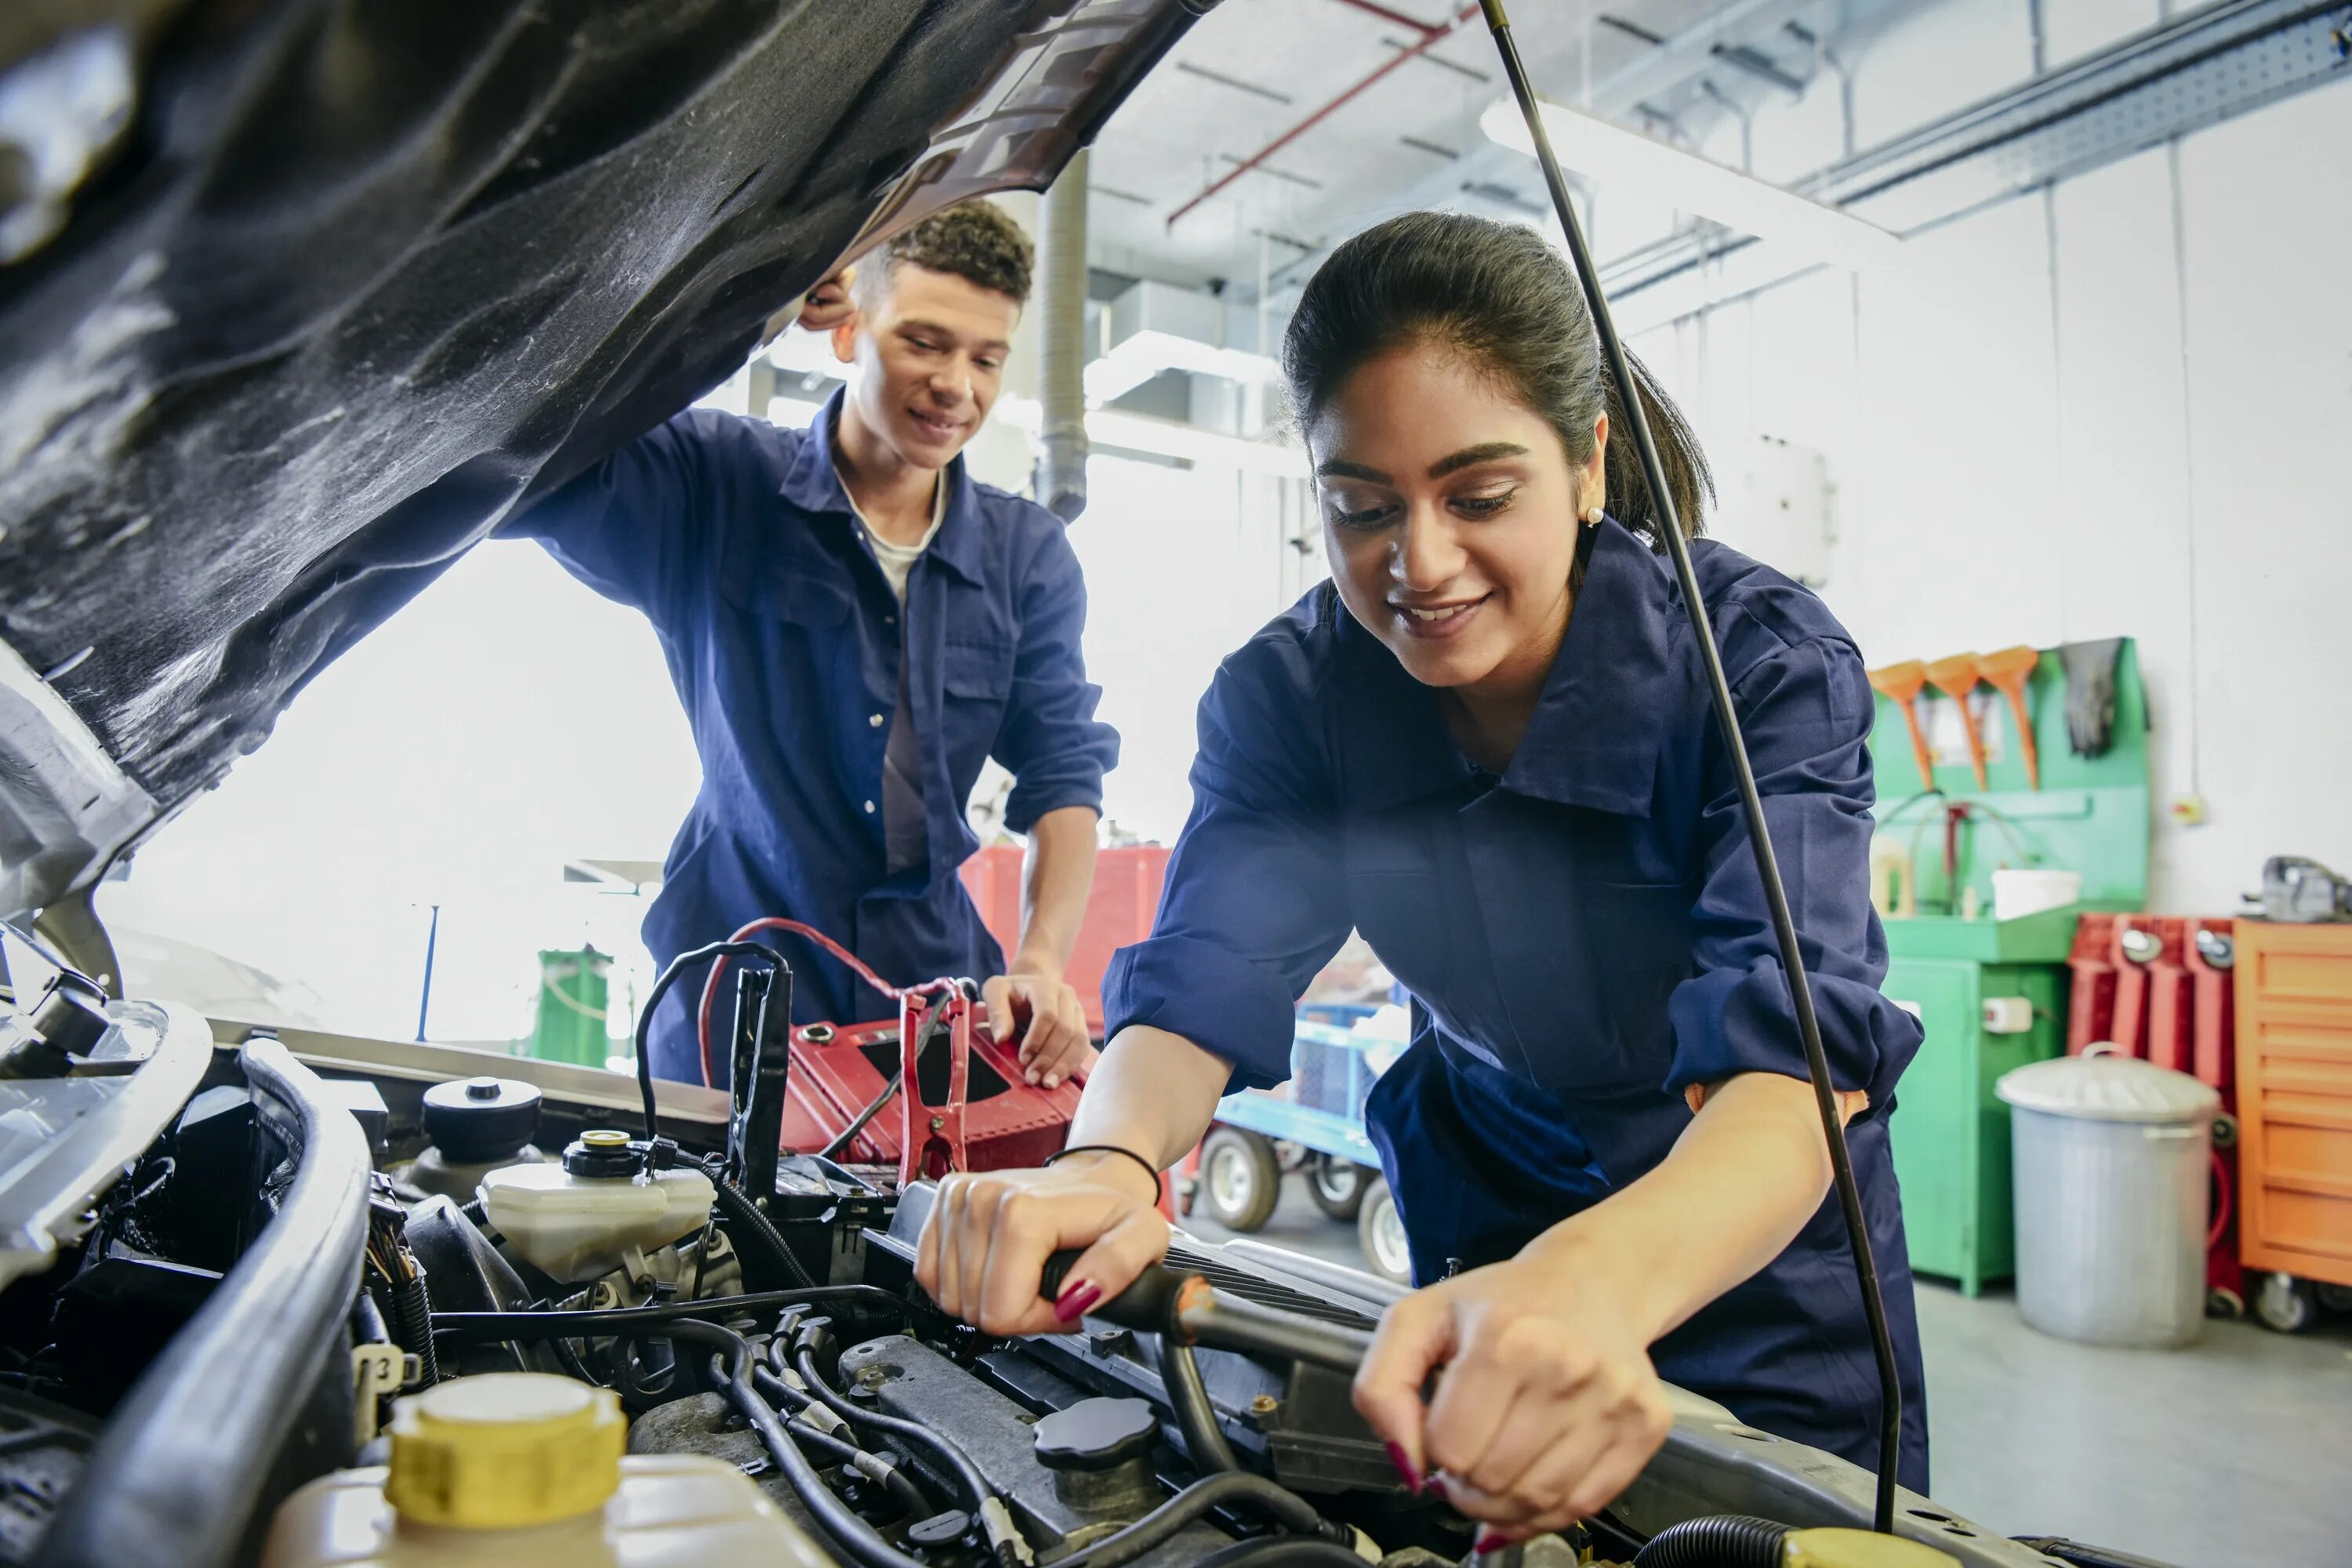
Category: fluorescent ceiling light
[1141,355]
[1613,155]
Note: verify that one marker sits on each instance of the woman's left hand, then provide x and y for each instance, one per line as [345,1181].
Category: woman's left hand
[1546,1407]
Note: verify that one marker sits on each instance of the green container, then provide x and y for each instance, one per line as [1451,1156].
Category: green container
[1950,1134]
[574,987]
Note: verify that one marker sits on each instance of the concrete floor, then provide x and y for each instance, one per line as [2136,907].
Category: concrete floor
[2238,1450]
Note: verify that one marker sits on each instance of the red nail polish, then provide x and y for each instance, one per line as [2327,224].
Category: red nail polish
[1489,1540]
[1405,1468]
[1076,1300]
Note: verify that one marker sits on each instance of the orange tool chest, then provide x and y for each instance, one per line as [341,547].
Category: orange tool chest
[2294,1098]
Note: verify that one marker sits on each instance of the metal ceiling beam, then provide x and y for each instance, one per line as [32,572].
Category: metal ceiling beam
[2195,70]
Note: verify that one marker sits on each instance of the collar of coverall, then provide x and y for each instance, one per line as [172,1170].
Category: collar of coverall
[814,485]
[1597,731]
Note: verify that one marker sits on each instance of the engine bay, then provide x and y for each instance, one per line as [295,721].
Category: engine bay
[229,1262]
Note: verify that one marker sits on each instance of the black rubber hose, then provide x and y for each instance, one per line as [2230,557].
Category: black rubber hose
[968,1475]
[476,1328]
[903,1491]
[843,1138]
[1287,1550]
[411,1316]
[675,967]
[785,1397]
[1205,1440]
[1289,1509]
[836,1518]
[736,1206]
[1718,1541]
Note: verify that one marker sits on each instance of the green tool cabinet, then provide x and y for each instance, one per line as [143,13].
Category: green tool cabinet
[1950,1134]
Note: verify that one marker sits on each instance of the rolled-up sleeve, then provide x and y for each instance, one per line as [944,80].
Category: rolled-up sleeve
[1050,741]
[1255,900]
[1806,714]
[624,527]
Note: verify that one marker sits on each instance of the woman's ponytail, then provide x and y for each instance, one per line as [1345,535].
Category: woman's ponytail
[1690,483]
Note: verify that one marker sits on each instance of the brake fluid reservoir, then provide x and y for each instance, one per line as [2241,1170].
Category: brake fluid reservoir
[523,1470]
[577,1221]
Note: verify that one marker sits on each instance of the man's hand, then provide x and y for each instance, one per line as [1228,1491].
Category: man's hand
[1045,1016]
[828,304]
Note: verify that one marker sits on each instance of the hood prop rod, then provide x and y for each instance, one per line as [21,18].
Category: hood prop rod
[1759,839]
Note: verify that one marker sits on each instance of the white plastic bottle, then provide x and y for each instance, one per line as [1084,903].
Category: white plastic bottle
[578,1220]
[523,1470]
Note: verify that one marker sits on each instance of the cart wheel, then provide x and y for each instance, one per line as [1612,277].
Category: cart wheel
[1240,1178]
[2286,1303]
[2221,1301]
[1337,1186]
[2336,1297]
[1381,1233]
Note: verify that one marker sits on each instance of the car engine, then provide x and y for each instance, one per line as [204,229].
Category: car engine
[226,1261]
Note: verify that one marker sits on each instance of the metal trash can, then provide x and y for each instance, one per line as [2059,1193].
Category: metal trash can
[2111,1156]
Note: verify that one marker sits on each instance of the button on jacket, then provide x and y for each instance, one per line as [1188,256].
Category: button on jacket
[783,639]
[1585,937]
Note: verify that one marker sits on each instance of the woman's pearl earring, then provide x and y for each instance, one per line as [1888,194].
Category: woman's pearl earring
[1592,517]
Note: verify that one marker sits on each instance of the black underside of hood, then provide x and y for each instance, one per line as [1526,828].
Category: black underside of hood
[363,276]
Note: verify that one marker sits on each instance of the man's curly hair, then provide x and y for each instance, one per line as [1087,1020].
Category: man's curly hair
[972,240]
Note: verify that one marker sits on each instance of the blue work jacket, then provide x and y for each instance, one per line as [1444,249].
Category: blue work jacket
[1583,937]
[782,636]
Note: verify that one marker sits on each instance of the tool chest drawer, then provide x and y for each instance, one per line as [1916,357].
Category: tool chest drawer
[2294,1098]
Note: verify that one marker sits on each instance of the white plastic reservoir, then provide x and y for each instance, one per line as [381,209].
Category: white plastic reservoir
[577,1226]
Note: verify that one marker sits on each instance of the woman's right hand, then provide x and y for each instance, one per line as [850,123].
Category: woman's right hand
[984,1251]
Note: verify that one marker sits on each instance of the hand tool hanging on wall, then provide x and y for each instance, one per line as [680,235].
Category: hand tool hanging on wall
[1901,685]
[1955,677]
[2091,694]
[1743,773]
[2007,673]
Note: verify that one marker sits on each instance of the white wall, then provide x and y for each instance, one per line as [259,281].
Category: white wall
[2070,417]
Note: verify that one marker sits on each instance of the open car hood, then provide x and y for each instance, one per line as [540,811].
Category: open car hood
[298,300]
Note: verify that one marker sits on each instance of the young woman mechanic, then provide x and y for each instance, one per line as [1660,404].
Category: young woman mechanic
[1485,744]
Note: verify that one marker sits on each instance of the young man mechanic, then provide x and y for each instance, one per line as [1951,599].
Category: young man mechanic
[856,626]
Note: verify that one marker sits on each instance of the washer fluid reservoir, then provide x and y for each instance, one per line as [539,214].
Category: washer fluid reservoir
[523,1470]
[577,1221]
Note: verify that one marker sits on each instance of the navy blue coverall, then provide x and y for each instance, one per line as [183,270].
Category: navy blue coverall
[1583,937]
[782,637]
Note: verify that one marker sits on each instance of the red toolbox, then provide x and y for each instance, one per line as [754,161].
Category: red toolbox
[969,1110]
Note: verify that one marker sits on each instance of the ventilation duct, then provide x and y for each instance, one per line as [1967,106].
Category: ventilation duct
[1062,342]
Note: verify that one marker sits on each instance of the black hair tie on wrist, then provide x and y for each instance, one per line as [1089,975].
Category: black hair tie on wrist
[1148,1168]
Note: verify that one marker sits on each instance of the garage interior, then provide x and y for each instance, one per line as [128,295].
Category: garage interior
[2037,341]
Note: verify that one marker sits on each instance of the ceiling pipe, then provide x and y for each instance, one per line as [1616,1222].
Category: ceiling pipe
[1061,483]
[1411,52]
[1372,9]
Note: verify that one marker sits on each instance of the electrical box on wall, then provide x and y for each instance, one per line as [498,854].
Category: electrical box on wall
[1775,502]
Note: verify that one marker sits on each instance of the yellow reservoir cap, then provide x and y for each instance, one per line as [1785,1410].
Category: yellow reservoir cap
[505,1449]
[1860,1549]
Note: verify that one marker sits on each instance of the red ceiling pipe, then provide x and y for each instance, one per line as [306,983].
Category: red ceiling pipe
[1399,17]
[1296,132]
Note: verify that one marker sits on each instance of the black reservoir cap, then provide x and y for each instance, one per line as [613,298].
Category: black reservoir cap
[1096,1434]
[604,1152]
[476,1121]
